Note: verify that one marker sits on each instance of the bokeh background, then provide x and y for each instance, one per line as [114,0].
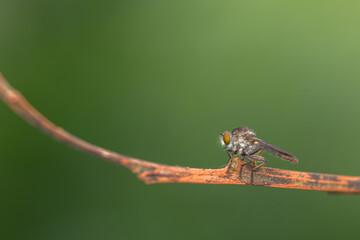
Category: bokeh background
[159,80]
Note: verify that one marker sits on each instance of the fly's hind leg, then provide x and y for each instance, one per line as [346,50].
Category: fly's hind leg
[261,152]
[255,158]
[258,158]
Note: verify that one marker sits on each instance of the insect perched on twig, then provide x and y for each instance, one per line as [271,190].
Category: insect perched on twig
[243,143]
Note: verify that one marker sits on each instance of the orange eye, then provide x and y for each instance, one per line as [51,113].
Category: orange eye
[226,137]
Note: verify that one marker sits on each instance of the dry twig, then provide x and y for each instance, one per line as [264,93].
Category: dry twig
[150,172]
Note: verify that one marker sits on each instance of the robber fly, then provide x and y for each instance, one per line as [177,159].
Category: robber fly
[243,143]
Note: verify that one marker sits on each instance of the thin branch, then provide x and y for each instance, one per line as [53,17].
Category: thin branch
[150,172]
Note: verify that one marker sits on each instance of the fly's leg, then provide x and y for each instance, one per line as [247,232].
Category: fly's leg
[255,158]
[228,165]
[262,151]
[242,166]
[258,158]
[258,166]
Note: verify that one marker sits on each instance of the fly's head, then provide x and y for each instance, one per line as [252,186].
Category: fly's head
[226,141]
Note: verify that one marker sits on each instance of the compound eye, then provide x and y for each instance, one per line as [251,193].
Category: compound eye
[226,137]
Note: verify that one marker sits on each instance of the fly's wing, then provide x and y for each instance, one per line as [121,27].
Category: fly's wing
[277,151]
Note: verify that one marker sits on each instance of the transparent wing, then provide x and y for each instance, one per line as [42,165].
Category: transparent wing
[277,151]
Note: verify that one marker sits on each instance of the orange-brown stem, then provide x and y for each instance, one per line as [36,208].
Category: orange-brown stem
[150,172]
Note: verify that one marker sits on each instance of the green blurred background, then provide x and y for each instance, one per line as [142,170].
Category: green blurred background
[159,80]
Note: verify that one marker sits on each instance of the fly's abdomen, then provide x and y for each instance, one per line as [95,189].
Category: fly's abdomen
[278,152]
[287,156]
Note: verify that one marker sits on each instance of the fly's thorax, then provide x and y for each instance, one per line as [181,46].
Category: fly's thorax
[241,145]
[252,148]
[243,132]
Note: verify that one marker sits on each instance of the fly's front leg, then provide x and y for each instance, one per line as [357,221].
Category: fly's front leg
[255,158]
[228,165]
